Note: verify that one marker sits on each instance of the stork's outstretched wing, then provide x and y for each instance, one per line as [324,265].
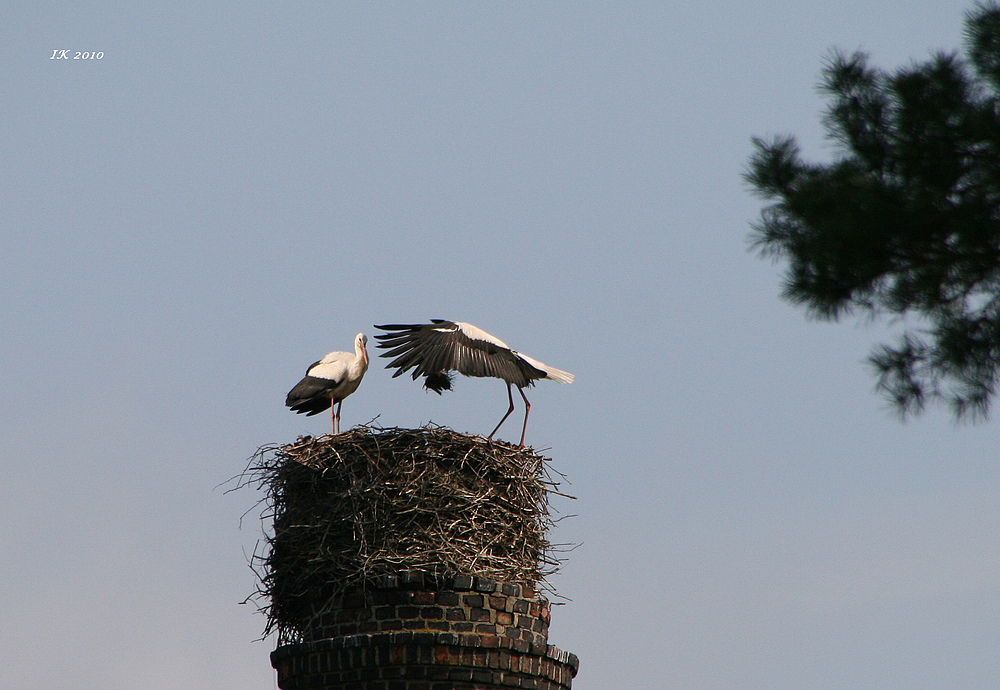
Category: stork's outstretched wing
[441,346]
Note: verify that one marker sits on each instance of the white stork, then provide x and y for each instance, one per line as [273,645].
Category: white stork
[436,348]
[329,381]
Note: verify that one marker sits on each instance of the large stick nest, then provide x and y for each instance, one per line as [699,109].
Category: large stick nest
[351,508]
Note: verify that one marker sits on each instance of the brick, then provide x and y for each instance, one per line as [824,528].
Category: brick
[510,590]
[482,676]
[394,597]
[437,673]
[352,601]
[498,602]
[411,579]
[412,672]
[386,582]
[462,583]
[447,599]
[510,680]
[455,614]
[449,638]
[482,584]
[423,597]
[408,611]
[474,600]
[479,614]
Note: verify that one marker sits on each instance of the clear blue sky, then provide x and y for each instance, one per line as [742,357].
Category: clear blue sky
[236,189]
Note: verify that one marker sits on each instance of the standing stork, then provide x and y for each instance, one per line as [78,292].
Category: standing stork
[329,381]
[437,348]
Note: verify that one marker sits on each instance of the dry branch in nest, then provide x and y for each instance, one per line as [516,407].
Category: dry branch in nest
[351,508]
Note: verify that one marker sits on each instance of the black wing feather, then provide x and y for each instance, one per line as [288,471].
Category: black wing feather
[441,346]
[310,396]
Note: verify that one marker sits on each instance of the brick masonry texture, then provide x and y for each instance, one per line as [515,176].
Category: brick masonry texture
[421,661]
[466,605]
[408,632]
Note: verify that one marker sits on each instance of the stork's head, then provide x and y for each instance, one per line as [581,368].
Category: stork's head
[360,340]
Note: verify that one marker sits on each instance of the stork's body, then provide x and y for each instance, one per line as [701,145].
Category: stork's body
[434,349]
[329,381]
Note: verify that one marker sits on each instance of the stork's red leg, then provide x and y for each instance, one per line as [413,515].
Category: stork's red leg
[527,409]
[510,399]
[339,405]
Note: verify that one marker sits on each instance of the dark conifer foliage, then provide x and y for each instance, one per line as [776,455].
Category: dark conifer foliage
[905,222]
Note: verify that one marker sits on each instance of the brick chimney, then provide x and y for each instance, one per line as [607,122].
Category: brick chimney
[409,559]
[412,633]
